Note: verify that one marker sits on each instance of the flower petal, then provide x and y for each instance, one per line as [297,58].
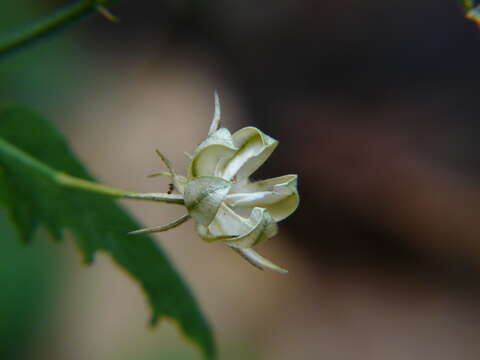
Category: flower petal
[258,227]
[254,148]
[259,261]
[263,227]
[228,222]
[278,195]
[203,197]
[205,234]
[214,150]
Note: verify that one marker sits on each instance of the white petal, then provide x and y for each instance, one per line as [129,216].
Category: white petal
[259,261]
[203,197]
[258,227]
[254,148]
[228,222]
[263,227]
[278,195]
[205,234]
[214,150]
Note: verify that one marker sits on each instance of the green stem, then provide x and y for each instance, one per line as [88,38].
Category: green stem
[162,197]
[50,24]
[90,186]
[73,182]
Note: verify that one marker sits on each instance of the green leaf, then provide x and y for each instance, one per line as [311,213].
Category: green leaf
[25,309]
[31,153]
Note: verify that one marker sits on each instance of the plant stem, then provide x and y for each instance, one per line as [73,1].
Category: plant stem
[73,182]
[90,186]
[81,184]
[50,24]
[162,197]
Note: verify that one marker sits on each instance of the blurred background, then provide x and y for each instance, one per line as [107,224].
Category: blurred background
[375,105]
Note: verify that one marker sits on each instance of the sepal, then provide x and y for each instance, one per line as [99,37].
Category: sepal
[203,197]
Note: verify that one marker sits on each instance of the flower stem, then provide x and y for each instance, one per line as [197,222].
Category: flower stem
[50,24]
[90,186]
[65,180]
[162,197]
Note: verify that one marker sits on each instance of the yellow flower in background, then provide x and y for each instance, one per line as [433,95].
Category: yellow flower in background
[219,196]
[472,10]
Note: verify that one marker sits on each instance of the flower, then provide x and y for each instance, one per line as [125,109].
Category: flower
[220,197]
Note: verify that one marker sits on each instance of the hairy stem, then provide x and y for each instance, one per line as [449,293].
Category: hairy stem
[50,24]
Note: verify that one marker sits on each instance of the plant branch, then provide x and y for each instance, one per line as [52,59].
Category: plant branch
[50,24]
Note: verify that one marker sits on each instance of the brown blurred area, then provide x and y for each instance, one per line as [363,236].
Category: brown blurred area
[375,105]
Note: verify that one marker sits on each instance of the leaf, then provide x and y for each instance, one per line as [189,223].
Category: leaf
[25,309]
[31,150]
